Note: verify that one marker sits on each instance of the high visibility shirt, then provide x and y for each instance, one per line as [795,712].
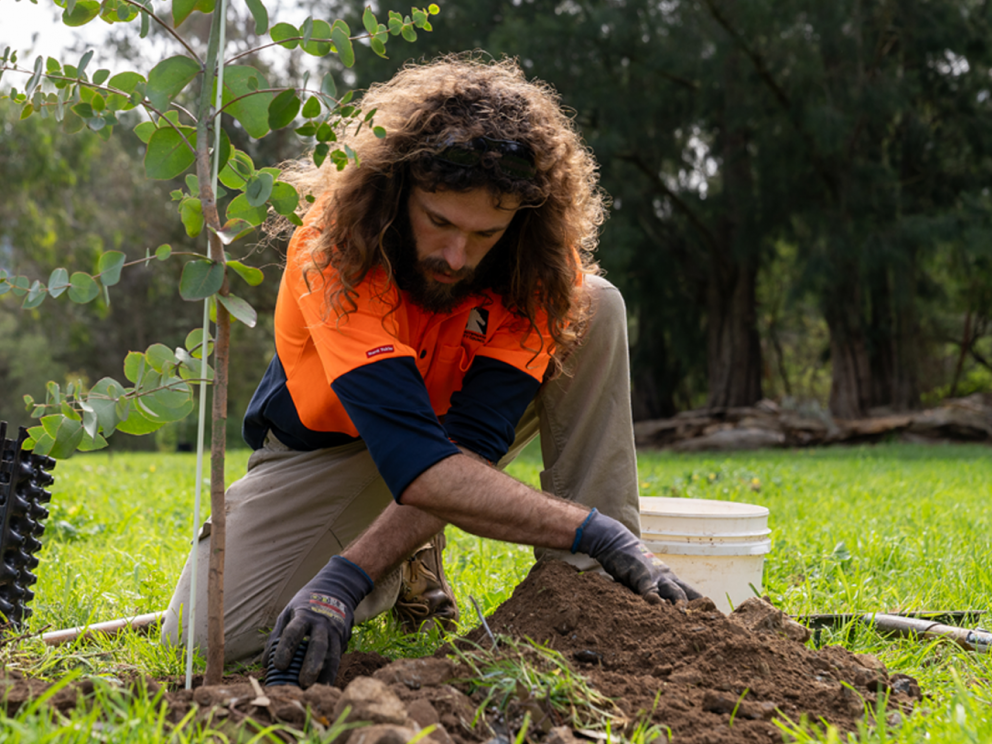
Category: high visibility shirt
[389,372]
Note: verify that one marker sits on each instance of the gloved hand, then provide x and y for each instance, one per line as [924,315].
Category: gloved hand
[628,560]
[323,609]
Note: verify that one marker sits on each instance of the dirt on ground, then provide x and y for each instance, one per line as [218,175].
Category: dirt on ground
[705,677]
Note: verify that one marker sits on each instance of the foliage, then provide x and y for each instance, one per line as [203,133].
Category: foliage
[175,136]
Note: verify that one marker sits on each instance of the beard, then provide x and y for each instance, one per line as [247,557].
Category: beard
[413,275]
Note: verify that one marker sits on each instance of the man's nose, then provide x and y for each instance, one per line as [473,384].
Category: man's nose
[455,252]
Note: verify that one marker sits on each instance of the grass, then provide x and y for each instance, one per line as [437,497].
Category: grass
[884,528]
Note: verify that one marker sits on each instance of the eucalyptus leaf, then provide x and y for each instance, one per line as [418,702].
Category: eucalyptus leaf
[168,155]
[81,13]
[283,31]
[239,309]
[252,276]
[341,39]
[58,282]
[194,343]
[109,266]
[200,279]
[258,189]
[83,288]
[260,14]
[102,399]
[283,109]
[249,108]
[168,78]
[233,230]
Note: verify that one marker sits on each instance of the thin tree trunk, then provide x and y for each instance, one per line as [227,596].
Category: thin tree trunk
[734,347]
[850,388]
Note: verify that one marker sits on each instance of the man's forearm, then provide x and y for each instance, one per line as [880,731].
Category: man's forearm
[486,502]
[391,538]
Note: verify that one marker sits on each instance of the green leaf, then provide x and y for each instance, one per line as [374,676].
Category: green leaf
[138,423]
[127,83]
[283,109]
[259,188]
[251,111]
[260,14]
[92,443]
[168,155]
[134,366]
[81,67]
[83,12]
[35,78]
[282,31]
[284,198]
[240,209]
[163,252]
[312,107]
[109,266]
[408,32]
[379,132]
[194,343]
[36,295]
[340,36]
[369,20]
[102,398]
[181,10]
[83,288]
[319,40]
[21,285]
[233,230]
[328,87]
[238,170]
[58,282]
[145,130]
[191,213]
[200,279]
[161,406]
[433,9]
[68,435]
[252,276]
[39,443]
[325,133]
[239,309]
[320,153]
[378,47]
[160,357]
[168,78]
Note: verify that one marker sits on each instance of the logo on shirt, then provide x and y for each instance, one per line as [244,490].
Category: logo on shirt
[379,350]
[478,322]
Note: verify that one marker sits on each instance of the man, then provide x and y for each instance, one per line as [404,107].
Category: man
[439,307]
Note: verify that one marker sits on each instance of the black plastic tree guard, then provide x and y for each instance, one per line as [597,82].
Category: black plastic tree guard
[23,477]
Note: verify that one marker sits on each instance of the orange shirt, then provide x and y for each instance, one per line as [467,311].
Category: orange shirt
[316,346]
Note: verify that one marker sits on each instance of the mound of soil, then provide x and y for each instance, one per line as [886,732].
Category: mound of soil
[708,677]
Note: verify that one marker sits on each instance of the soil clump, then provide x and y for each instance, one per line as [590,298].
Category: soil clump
[707,677]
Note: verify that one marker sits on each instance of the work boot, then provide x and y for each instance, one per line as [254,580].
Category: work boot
[425,599]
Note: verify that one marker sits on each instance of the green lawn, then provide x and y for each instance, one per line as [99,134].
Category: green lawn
[883,528]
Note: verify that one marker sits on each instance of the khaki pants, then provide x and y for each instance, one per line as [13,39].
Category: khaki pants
[293,510]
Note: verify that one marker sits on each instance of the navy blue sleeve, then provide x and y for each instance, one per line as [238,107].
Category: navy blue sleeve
[388,403]
[484,414]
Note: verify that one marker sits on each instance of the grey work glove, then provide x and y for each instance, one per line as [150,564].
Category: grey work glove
[628,560]
[324,610]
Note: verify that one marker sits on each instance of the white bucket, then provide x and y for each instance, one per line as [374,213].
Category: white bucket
[717,546]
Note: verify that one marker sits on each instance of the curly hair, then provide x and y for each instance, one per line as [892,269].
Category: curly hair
[453,100]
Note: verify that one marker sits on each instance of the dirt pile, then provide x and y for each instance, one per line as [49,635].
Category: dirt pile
[709,678]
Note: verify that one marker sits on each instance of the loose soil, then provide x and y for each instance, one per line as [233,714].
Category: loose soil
[707,677]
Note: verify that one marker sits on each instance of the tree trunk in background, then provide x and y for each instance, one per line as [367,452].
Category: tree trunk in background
[851,383]
[732,337]
[733,344]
